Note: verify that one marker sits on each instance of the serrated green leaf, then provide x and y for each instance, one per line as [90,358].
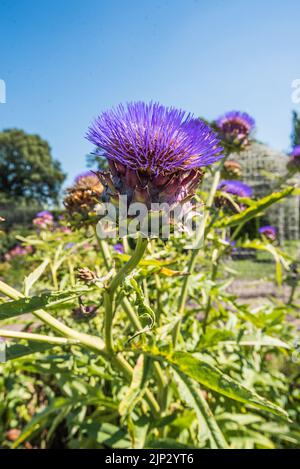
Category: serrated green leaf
[211,377]
[135,391]
[193,397]
[254,210]
[34,276]
[34,303]
[14,351]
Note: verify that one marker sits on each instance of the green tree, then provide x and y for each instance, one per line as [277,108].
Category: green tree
[295,137]
[28,172]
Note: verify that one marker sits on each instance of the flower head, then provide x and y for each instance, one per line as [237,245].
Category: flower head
[296,151]
[86,179]
[18,251]
[84,195]
[269,232]
[235,127]
[294,161]
[232,170]
[43,219]
[45,214]
[155,153]
[119,248]
[237,188]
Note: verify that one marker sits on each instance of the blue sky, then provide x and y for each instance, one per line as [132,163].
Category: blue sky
[64,61]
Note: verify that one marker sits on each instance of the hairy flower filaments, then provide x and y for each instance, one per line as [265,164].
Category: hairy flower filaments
[155,153]
[235,128]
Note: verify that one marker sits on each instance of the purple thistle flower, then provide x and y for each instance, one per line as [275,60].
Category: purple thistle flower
[18,251]
[154,139]
[235,187]
[235,127]
[296,151]
[155,153]
[83,176]
[269,232]
[45,214]
[43,219]
[294,161]
[119,248]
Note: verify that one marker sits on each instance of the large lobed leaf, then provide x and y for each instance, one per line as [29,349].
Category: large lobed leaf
[214,379]
[34,303]
[255,209]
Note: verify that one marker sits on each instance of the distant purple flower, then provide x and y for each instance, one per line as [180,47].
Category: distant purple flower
[268,231]
[44,214]
[87,246]
[18,251]
[232,244]
[119,248]
[235,127]
[69,245]
[83,176]
[237,188]
[294,161]
[65,229]
[155,153]
[296,151]
[43,219]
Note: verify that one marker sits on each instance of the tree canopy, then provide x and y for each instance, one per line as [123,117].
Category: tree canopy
[28,171]
[295,137]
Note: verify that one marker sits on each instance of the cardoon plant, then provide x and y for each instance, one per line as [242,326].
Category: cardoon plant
[231,170]
[43,219]
[155,155]
[18,251]
[83,196]
[148,373]
[229,191]
[237,188]
[235,128]
[270,232]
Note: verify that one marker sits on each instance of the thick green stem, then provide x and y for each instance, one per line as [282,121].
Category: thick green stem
[133,262]
[193,259]
[120,363]
[37,337]
[292,293]
[105,252]
[208,305]
[108,304]
[117,359]
[132,316]
[91,342]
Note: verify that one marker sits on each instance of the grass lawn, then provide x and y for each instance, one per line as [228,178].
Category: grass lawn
[248,269]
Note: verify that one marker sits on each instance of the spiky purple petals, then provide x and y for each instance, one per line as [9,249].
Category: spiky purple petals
[155,153]
[268,231]
[154,139]
[235,127]
[294,161]
[235,187]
